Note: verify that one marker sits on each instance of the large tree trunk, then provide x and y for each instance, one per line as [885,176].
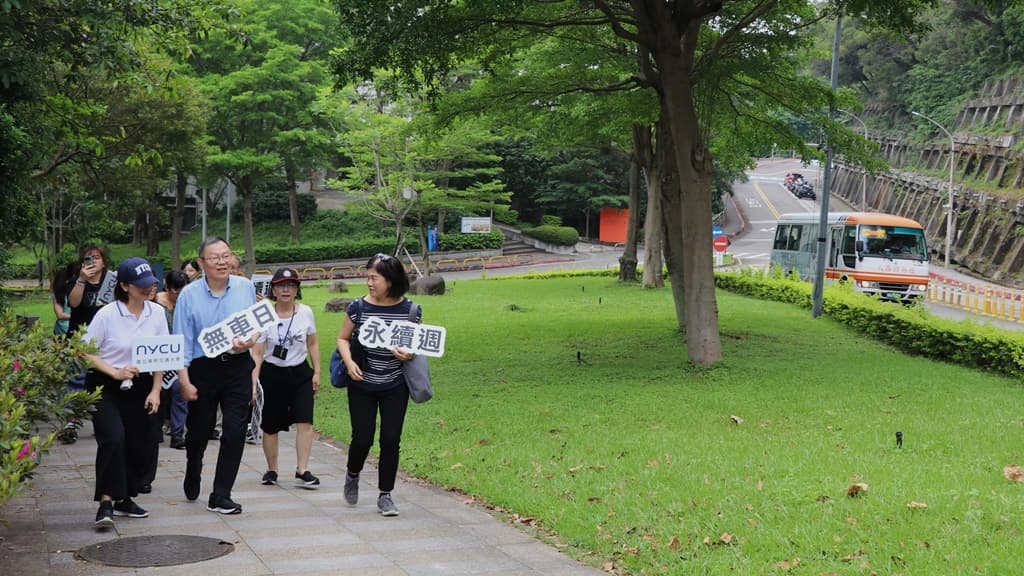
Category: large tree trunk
[671,223]
[693,160]
[293,203]
[628,260]
[653,229]
[178,218]
[245,188]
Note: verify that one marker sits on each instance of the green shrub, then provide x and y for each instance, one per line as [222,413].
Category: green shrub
[272,204]
[458,241]
[907,328]
[506,215]
[336,225]
[34,371]
[327,251]
[551,220]
[557,235]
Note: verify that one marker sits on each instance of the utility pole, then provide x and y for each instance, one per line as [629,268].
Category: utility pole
[949,195]
[818,295]
[864,176]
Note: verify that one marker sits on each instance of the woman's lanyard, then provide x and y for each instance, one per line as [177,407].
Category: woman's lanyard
[282,339]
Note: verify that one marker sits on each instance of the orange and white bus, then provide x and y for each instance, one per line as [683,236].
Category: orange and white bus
[879,254]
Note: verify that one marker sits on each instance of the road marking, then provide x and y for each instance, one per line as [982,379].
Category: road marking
[767,202]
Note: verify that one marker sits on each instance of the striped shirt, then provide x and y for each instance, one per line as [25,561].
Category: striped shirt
[381,370]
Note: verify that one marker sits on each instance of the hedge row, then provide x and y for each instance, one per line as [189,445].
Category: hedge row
[458,241]
[557,235]
[327,251]
[907,328]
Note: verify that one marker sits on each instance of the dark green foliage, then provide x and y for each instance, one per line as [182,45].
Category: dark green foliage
[905,328]
[459,241]
[339,225]
[271,203]
[328,251]
[557,235]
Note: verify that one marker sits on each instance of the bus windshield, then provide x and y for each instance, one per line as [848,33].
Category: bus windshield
[893,242]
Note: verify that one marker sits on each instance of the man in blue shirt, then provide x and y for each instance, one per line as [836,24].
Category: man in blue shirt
[226,380]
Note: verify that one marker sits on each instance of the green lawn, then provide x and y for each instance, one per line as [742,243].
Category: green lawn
[634,459]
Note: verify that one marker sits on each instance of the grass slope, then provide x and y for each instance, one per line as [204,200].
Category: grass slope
[635,461]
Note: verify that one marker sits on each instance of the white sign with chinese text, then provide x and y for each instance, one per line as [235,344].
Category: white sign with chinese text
[245,324]
[421,339]
[476,225]
[157,353]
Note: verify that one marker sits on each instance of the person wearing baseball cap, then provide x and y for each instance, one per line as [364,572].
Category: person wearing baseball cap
[130,397]
[283,356]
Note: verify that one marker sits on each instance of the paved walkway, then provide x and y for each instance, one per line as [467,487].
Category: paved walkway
[282,530]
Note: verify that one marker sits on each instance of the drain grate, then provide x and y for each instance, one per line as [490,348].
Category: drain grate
[147,551]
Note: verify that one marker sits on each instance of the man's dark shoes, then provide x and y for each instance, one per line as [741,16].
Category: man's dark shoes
[105,515]
[191,485]
[223,505]
[178,442]
[130,509]
[145,489]
[270,478]
[307,480]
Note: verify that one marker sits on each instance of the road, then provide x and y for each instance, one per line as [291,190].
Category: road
[763,198]
[759,202]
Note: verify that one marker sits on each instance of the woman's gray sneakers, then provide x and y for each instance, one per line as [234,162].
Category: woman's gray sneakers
[351,489]
[386,506]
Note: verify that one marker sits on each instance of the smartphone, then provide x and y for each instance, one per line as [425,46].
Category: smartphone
[87,261]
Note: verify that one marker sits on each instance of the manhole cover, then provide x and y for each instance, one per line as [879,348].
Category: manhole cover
[145,551]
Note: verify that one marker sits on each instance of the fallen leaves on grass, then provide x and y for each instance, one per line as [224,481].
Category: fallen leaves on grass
[917,506]
[725,539]
[674,543]
[787,565]
[736,420]
[856,490]
[1014,473]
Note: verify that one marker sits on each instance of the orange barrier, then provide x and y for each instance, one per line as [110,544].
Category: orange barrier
[315,272]
[446,264]
[522,259]
[473,262]
[342,271]
[499,260]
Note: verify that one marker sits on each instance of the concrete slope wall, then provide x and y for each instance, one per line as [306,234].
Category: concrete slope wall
[988,171]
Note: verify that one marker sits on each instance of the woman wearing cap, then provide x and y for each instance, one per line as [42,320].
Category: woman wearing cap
[282,353]
[129,396]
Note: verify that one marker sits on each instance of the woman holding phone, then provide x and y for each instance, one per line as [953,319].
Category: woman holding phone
[86,289]
[129,396]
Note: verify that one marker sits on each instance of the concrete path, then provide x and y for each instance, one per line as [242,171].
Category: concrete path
[282,530]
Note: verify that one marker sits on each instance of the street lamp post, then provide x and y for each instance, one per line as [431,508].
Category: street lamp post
[949,198]
[864,176]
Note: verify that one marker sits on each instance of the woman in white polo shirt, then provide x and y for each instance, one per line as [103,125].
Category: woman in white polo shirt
[129,396]
[283,353]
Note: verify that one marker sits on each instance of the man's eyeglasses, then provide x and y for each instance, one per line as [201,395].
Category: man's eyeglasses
[218,258]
